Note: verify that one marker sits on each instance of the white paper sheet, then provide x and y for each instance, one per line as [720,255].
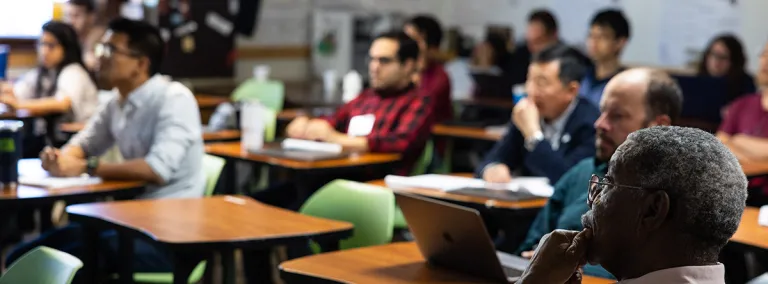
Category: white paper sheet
[31,173]
[308,145]
[762,218]
[538,186]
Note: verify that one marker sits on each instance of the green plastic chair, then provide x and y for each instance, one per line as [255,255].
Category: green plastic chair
[271,94]
[212,166]
[43,265]
[370,208]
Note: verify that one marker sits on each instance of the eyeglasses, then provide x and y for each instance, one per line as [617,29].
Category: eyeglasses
[382,60]
[597,185]
[107,50]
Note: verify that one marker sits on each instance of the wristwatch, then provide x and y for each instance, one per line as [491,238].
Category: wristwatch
[533,141]
[91,164]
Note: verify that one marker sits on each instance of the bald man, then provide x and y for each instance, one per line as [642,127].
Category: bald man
[632,100]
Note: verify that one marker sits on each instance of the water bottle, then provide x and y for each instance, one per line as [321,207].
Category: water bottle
[4,51]
[351,86]
[10,153]
[518,92]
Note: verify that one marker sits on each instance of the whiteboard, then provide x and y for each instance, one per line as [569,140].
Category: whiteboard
[24,19]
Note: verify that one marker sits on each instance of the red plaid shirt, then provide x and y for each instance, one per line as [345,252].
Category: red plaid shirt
[436,84]
[403,122]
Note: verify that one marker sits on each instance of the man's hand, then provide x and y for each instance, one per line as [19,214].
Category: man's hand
[297,127]
[558,258]
[7,96]
[61,165]
[320,129]
[498,173]
[526,118]
[527,254]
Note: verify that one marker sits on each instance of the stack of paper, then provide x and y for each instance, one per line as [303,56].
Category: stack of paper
[538,186]
[31,173]
[314,146]
[762,218]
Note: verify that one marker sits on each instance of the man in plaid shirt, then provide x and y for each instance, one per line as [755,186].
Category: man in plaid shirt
[391,116]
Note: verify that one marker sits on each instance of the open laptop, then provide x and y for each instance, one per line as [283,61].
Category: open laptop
[455,237]
[703,97]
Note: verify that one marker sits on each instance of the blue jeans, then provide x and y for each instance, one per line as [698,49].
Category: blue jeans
[148,256]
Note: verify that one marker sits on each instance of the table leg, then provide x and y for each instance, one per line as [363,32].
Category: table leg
[229,182]
[90,255]
[126,253]
[228,266]
[183,264]
[45,218]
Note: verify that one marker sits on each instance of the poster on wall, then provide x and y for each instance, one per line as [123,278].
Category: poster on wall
[688,25]
[574,16]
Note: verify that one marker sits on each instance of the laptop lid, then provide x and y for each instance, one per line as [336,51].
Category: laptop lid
[703,97]
[451,236]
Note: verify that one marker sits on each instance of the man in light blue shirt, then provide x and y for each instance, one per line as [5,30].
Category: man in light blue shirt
[155,124]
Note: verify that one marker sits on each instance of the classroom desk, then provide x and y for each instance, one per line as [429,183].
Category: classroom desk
[467,132]
[217,136]
[750,232]
[31,196]
[754,168]
[291,113]
[234,150]
[391,263]
[487,202]
[25,114]
[193,228]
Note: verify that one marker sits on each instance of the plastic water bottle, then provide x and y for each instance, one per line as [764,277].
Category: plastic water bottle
[351,86]
[518,92]
[252,124]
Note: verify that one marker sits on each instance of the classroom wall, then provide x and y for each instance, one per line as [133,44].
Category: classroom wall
[474,15]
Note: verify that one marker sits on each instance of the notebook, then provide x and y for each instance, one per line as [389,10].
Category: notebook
[31,173]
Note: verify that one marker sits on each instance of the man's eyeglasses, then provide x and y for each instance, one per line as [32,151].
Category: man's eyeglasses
[382,60]
[107,50]
[597,185]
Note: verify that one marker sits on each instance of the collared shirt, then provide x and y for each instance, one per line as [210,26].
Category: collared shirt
[553,130]
[705,274]
[159,122]
[402,125]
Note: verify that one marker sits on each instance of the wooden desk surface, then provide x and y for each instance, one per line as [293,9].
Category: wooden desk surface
[210,101]
[291,113]
[515,205]
[223,135]
[754,168]
[209,221]
[749,231]
[392,263]
[24,113]
[24,194]
[466,132]
[234,150]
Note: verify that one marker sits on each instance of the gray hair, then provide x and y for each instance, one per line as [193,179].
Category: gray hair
[702,177]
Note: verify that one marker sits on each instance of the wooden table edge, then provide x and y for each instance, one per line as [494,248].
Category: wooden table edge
[132,187]
[440,130]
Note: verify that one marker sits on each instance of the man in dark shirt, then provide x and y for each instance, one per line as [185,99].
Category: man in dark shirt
[392,116]
[541,33]
[608,34]
[426,31]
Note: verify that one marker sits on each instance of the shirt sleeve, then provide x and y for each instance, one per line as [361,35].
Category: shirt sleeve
[178,127]
[730,124]
[413,129]
[24,88]
[96,138]
[75,84]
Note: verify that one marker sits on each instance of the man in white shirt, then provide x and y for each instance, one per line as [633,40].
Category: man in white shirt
[671,200]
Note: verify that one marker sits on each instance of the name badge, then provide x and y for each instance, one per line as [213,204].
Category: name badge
[361,125]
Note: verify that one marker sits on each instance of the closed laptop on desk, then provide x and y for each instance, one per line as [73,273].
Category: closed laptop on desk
[303,150]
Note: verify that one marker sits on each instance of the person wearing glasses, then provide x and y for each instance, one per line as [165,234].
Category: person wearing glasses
[634,99]
[153,121]
[669,203]
[60,85]
[392,116]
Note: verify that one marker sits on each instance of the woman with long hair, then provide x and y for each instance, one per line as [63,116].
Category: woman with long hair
[60,86]
[724,57]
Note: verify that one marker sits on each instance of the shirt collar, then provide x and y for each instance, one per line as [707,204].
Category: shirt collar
[559,123]
[704,274]
[143,93]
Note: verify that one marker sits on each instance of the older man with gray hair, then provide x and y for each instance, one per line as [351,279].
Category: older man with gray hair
[672,198]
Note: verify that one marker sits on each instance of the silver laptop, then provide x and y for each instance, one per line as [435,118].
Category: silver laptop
[455,237]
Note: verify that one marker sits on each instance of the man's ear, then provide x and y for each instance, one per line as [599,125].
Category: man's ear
[661,120]
[655,209]
[573,87]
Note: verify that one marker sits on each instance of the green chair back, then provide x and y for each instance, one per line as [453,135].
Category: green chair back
[370,208]
[270,93]
[212,166]
[43,265]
